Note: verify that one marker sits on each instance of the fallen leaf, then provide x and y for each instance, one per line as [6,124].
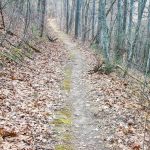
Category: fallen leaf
[136,146]
[4,133]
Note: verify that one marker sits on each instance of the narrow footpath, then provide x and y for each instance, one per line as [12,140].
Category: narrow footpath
[85,129]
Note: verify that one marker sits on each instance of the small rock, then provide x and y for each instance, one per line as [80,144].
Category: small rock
[130,122]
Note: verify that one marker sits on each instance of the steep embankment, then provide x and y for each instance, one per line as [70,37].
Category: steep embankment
[29,96]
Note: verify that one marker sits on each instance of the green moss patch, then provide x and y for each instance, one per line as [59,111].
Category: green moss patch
[66,112]
[61,121]
[67,79]
[63,147]
[67,137]
[72,56]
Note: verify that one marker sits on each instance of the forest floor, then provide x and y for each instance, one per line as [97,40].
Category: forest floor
[53,103]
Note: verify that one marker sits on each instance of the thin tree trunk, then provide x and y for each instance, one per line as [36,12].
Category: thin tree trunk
[93,19]
[110,8]
[125,16]
[67,15]
[2,16]
[72,15]
[43,3]
[85,20]
[104,32]
[118,54]
[77,19]
[141,7]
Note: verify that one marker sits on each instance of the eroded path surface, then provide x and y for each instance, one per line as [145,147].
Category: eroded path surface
[84,127]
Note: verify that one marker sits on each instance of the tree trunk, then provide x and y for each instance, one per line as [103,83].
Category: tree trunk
[118,54]
[141,6]
[67,17]
[104,32]
[93,19]
[77,18]
[2,16]
[43,5]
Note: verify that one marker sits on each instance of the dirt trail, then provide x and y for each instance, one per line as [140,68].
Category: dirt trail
[84,126]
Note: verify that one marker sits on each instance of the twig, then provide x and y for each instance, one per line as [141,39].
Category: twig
[144,131]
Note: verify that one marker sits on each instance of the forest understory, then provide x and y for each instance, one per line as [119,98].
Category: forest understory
[38,108]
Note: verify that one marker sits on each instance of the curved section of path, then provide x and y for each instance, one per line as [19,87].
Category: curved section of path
[84,126]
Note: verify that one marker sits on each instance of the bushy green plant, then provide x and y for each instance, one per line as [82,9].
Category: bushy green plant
[106,68]
[103,68]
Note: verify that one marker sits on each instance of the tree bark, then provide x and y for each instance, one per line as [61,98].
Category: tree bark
[43,5]
[77,18]
[2,16]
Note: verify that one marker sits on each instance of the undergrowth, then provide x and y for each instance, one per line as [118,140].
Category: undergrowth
[103,68]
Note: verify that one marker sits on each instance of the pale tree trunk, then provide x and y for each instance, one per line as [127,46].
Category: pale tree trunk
[141,6]
[130,20]
[72,15]
[27,18]
[148,39]
[130,24]
[104,32]
[85,18]
[124,26]
[99,24]
[118,54]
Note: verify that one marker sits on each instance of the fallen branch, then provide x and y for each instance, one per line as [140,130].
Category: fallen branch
[144,131]
[129,74]
[51,39]
[96,68]
[10,33]
[10,43]
[32,47]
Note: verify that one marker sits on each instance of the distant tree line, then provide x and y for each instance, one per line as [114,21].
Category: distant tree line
[120,28]
[27,15]
[21,21]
